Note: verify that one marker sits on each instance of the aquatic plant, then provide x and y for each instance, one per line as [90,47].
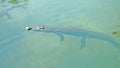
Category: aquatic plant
[116,33]
[118,26]
[5,10]
[17,1]
[26,0]
[14,1]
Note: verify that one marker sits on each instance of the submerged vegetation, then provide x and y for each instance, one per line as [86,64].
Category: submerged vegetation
[117,32]
[14,1]
[9,5]
[118,26]
[26,0]
[17,1]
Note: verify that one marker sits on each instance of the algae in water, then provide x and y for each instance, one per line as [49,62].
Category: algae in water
[117,32]
[17,1]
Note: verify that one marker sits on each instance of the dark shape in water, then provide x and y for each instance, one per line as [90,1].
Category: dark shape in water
[84,34]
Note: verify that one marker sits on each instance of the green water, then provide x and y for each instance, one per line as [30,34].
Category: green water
[25,49]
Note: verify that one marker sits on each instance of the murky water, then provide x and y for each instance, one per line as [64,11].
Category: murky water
[27,49]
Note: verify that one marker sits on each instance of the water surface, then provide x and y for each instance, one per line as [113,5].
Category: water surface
[22,49]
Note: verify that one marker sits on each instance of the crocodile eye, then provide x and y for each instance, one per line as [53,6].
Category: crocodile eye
[42,27]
